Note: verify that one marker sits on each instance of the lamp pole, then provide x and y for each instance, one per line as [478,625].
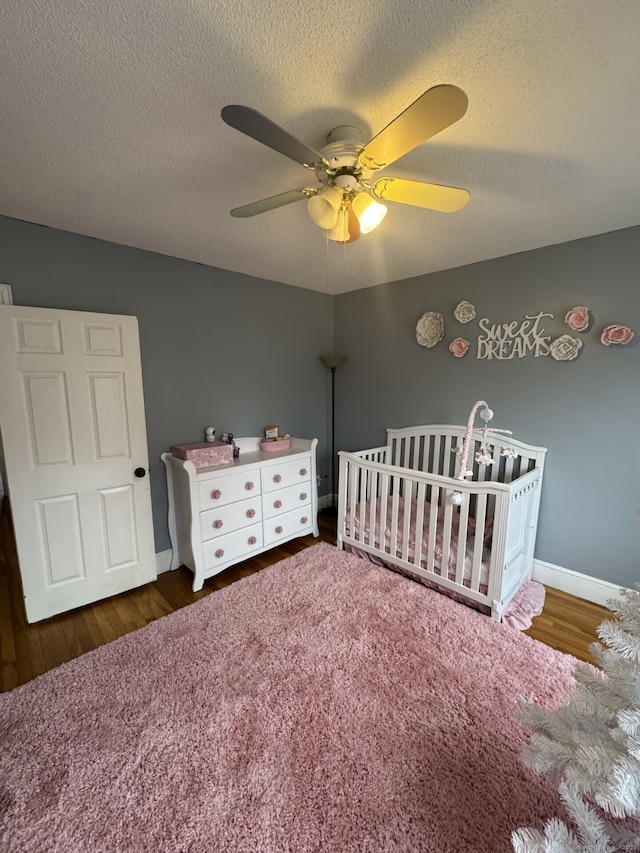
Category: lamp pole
[333,362]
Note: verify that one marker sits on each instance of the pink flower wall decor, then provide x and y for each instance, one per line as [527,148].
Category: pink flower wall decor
[459,347]
[578,318]
[616,335]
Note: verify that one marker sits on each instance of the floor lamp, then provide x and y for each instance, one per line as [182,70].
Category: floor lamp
[333,362]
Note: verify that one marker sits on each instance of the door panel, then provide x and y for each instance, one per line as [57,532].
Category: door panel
[110,421]
[61,538]
[73,430]
[118,526]
[47,407]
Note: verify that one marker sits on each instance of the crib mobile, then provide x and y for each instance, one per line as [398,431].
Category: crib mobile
[484,454]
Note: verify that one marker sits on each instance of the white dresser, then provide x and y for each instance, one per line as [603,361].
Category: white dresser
[219,516]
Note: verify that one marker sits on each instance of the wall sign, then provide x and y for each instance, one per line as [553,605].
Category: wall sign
[514,340]
[519,338]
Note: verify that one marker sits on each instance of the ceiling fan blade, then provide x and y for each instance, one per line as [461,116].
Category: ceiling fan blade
[419,194]
[272,202]
[434,110]
[262,129]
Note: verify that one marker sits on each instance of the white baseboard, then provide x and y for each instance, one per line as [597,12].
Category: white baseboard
[163,561]
[575,583]
[324,501]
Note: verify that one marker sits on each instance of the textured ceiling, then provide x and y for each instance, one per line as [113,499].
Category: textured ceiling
[112,128]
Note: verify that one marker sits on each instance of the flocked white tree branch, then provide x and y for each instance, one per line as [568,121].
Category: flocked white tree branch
[590,746]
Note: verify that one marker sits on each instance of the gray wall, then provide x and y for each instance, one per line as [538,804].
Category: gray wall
[218,348]
[587,412]
[238,353]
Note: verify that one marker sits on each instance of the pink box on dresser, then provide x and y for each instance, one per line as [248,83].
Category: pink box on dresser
[205,454]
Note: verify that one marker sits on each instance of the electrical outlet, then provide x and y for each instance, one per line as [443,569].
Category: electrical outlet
[318,481]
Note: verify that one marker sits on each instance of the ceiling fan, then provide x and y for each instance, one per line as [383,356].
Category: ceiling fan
[343,204]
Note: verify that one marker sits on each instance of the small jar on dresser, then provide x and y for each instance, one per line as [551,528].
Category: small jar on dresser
[221,515]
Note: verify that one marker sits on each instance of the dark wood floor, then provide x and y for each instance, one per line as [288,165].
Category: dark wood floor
[567,623]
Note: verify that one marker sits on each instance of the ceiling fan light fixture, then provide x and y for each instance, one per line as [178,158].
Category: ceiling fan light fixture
[324,208]
[369,212]
[354,225]
[340,232]
[347,229]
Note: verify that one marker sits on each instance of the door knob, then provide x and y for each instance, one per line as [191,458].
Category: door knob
[140,472]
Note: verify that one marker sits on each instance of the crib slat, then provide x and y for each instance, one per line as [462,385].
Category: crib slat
[450,459]
[406,521]
[487,473]
[395,505]
[418,452]
[478,544]
[446,538]
[508,469]
[360,506]
[494,470]
[433,521]
[415,453]
[384,504]
[462,541]
[404,459]
[437,459]
[373,505]
[353,475]
[420,504]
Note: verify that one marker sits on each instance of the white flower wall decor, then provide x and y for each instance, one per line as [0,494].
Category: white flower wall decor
[465,312]
[565,348]
[430,329]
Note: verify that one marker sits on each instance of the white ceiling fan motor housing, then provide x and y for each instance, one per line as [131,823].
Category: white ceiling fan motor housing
[344,143]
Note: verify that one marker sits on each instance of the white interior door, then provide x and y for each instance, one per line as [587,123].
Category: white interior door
[73,434]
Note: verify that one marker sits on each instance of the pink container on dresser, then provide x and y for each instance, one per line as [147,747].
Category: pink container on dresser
[204,454]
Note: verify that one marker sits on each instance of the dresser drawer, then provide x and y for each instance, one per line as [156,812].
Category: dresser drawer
[229,517]
[285,500]
[286,474]
[228,488]
[232,547]
[290,524]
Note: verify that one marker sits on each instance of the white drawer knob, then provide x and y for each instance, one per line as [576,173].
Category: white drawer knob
[252,540]
[216,494]
[248,486]
[219,553]
[304,519]
[277,478]
[303,472]
[217,524]
[278,529]
[251,513]
[277,504]
[303,496]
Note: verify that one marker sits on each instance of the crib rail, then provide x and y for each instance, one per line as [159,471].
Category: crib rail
[403,516]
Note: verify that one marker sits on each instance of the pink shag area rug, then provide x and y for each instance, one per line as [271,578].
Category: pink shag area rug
[324,704]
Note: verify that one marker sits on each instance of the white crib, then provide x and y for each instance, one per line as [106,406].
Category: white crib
[395,507]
